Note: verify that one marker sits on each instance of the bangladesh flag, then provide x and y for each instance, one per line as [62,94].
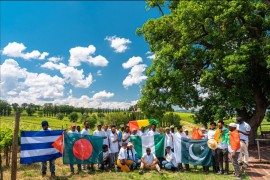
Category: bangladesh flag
[196,152]
[156,143]
[82,149]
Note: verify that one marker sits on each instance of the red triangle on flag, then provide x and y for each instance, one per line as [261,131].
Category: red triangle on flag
[58,144]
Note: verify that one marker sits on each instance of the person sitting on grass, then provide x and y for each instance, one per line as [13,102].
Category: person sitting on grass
[149,161]
[105,157]
[132,155]
[73,130]
[122,161]
[170,161]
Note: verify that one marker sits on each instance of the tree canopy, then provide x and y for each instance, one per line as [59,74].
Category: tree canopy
[211,55]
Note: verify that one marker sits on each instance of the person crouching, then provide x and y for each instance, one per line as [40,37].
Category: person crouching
[105,157]
[170,161]
[149,161]
[122,161]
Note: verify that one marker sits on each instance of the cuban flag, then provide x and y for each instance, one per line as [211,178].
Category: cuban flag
[36,146]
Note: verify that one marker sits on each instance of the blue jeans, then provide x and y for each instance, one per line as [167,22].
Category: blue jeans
[44,166]
[136,164]
[167,164]
[72,167]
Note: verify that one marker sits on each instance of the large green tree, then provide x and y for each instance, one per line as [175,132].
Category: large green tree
[213,55]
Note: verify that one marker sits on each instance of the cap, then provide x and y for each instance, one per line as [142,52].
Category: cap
[172,126]
[129,144]
[73,125]
[134,129]
[167,128]
[233,125]
[99,124]
[122,125]
[44,123]
[185,130]
[168,147]
[203,128]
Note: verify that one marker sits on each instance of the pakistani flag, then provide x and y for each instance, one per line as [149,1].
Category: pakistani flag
[156,143]
[82,149]
[196,152]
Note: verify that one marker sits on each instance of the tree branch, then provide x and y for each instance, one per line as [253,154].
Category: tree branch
[160,10]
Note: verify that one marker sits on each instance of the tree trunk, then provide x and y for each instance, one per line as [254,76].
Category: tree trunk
[15,147]
[6,155]
[1,169]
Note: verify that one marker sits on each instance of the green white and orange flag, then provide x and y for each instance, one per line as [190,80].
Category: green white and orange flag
[138,124]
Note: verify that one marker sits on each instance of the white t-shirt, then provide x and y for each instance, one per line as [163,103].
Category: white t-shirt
[85,131]
[125,136]
[152,133]
[148,159]
[49,129]
[75,132]
[105,154]
[100,134]
[143,133]
[171,158]
[211,133]
[122,154]
[169,140]
[243,127]
[113,145]
[106,141]
[205,135]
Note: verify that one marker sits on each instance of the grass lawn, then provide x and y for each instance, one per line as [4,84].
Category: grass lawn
[62,171]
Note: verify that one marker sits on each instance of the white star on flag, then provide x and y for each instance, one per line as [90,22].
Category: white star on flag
[202,147]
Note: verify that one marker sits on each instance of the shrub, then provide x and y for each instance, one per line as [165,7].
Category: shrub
[60,116]
[73,117]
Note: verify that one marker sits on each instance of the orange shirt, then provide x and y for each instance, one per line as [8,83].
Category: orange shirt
[235,140]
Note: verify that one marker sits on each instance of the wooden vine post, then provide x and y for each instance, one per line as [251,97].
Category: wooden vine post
[15,146]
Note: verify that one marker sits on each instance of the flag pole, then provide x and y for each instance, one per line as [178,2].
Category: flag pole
[15,146]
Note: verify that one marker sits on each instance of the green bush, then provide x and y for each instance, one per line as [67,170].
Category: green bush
[73,117]
[60,116]
[171,119]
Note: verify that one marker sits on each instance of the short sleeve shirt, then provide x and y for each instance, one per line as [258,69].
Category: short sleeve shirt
[125,136]
[122,154]
[148,158]
[85,132]
[243,127]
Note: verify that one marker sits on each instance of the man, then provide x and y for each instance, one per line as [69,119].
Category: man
[79,129]
[134,132]
[126,136]
[143,131]
[160,130]
[170,161]
[187,134]
[244,131]
[222,151]
[107,132]
[168,137]
[177,148]
[45,127]
[153,131]
[100,133]
[172,129]
[122,160]
[105,157]
[74,131]
[211,135]
[204,133]
[86,131]
[113,138]
[132,155]
[120,134]
[234,148]
[149,161]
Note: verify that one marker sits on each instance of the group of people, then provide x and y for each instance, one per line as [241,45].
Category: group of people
[119,152]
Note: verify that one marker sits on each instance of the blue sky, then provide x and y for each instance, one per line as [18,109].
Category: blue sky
[78,53]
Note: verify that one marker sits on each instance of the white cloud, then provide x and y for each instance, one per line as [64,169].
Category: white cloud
[102,95]
[84,54]
[135,75]
[153,56]
[15,49]
[55,59]
[18,85]
[132,62]
[76,77]
[118,44]
[99,73]
[52,66]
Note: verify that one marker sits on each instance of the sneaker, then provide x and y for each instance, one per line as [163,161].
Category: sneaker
[219,172]
[245,165]
[239,178]
[140,171]
[160,172]
[53,174]
[226,173]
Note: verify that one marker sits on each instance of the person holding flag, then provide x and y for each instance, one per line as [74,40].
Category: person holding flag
[45,127]
[73,130]
[86,131]
[126,136]
[153,131]
[168,138]
[234,149]
[169,162]
[99,132]
[177,139]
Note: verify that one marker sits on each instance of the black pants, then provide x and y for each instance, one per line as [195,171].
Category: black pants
[105,163]
[215,160]
[223,156]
